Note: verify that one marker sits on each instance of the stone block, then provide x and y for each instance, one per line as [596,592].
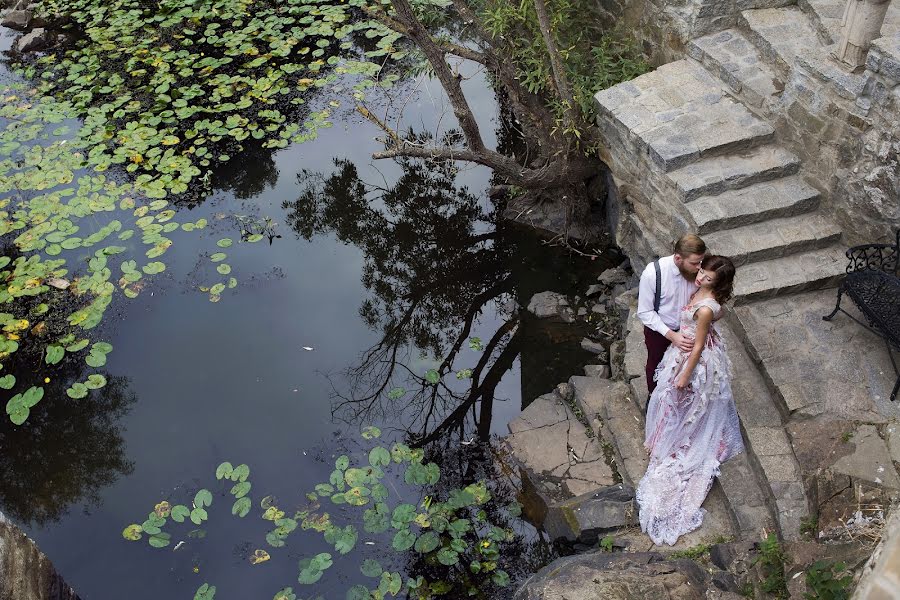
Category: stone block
[870,460]
[20,20]
[552,306]
[768,441]
[584,518]
[36,40]
[599,371]
[780,467]
[594,348]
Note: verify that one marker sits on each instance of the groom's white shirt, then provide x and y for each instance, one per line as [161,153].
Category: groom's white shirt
[676,292]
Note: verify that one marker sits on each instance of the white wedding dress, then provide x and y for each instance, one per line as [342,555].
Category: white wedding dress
[689,434]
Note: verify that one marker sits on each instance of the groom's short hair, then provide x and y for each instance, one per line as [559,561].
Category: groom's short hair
[689,244]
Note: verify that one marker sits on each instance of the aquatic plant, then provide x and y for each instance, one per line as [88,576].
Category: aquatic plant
[451,533]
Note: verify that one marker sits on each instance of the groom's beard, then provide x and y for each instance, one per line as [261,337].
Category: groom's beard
[687,274]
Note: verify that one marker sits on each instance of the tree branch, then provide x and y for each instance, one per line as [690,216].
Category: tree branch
[560,79]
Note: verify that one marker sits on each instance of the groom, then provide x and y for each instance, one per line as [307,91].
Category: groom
[667,285]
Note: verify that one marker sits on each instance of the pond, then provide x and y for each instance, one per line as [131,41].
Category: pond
[358,296]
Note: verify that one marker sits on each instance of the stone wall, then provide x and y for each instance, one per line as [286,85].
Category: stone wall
[846,128]
[25,572]
[881,578]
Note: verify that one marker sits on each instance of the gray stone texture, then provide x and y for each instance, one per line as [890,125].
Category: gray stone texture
[881,578]
[809,270]
[19,20]
[755,203]
[869,461]
[36,40]
[780,34]
[720,174]
[826,16]
[555,452]
[774,238]
[679,113]
[735,60]
[617,576]
[550,305]
[25,572]
[585,517]
[836,368]
[599,371]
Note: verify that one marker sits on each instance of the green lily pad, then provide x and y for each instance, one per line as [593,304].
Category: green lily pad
[132,533]
[77,391]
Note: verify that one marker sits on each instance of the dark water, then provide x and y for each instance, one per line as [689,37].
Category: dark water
[194,383]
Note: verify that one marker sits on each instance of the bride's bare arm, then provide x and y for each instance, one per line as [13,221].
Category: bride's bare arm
[704,317]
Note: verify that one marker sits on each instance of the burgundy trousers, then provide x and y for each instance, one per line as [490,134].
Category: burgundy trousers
[656,347]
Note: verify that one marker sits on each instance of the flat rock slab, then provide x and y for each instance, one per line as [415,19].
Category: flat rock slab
[555,453]
[618,576]
[869,460]
[585,518]
[837,368]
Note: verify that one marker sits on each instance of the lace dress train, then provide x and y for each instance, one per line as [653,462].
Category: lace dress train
[689,434]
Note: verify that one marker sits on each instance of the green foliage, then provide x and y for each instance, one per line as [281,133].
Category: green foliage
[594,59]
[453,536]
[809,525]
[828,581]
[694,553]
[771,559]
[606,543]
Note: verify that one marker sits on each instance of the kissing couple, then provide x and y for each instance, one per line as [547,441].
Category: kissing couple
[692,425]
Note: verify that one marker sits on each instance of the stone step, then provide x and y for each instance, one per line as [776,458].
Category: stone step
[783,197]
[826,17]
[679,113]
[774,238]
[813,269]
[734,171]
[780,34]
[734,59]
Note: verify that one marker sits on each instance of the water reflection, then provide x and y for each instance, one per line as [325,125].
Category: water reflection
[68,449]
[437,257]
[66,452]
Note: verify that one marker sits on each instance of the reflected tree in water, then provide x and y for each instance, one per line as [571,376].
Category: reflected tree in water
[69,449]
[435,260]
[66,452]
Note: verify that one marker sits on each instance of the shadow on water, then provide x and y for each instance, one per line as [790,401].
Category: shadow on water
[437,259]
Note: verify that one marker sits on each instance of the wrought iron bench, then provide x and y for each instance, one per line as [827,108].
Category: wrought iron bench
[872,282]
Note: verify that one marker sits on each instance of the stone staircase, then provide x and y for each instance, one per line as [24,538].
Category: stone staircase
[701,130]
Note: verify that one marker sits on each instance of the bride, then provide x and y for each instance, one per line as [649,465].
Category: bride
[692,425]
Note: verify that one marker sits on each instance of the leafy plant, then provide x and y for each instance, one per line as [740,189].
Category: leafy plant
[606,543]
[771,560]
[828,581]
[694,553]
[453,534]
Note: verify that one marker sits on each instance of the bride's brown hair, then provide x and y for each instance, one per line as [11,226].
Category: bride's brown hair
[723,285]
